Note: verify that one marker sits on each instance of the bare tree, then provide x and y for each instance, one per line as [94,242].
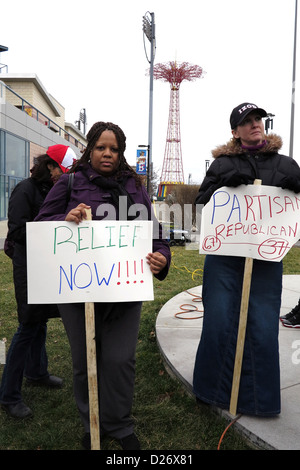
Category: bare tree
[184,195]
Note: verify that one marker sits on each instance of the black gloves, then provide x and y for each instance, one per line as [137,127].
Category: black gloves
[236,179]
[290,182]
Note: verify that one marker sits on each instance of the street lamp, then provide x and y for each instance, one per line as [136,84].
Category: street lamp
[149,33]
[2,66]
[269,122]
[82,118]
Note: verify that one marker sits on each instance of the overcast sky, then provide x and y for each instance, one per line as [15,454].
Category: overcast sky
[90,54]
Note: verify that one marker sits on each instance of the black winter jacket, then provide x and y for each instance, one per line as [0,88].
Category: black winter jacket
[234,165]
[24,205]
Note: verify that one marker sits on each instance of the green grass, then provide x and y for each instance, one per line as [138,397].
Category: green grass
[166,417]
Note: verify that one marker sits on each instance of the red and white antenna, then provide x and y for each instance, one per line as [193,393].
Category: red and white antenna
[174,73]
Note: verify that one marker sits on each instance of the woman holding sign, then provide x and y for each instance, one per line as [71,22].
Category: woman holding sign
[249,156]
[101,177]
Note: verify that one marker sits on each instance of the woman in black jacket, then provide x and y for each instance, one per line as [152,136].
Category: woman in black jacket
[248,156]
[27,353]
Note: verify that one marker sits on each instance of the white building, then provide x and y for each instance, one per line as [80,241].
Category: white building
[30,121]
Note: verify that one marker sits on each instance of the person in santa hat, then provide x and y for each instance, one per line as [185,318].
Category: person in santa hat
[27,354]
[63,159]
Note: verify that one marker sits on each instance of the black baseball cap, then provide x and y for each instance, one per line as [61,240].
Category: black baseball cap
[239,113]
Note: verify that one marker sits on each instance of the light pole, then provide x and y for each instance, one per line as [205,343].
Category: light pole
[149,33]
[82,118]
[293,85]
[2,66]
[269,122]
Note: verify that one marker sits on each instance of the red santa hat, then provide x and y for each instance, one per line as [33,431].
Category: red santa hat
[63,155]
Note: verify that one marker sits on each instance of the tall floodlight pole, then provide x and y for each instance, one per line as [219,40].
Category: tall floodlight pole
[149,33]
[293,85]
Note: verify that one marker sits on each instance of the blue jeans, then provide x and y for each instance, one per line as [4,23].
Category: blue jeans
[26,357]
[259,392]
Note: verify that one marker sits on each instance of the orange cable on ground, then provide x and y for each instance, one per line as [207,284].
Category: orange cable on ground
[191,309]
[230,424]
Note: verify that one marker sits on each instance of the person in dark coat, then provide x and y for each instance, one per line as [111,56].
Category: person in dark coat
[248,156]
[27,354]
[101,176]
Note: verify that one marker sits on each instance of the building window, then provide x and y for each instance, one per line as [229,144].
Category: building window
[14,166]
[16,157]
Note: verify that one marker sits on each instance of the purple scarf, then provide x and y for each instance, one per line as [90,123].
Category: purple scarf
[253,148]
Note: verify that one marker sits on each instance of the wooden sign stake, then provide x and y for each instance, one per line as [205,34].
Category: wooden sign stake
[241,332]
[92,369]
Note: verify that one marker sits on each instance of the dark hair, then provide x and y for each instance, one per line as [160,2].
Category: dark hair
[92,137]
[40,170]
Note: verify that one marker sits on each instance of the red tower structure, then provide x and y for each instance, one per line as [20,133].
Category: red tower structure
[174,73]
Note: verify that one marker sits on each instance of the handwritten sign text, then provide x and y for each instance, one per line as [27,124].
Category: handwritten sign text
[95,261]
[261,222]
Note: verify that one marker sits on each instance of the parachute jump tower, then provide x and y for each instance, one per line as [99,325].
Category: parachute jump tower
[174,73]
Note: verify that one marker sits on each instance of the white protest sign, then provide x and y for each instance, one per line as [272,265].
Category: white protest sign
[255,221]
[95,261]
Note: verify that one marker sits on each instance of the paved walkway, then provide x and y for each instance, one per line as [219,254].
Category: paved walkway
[178,341]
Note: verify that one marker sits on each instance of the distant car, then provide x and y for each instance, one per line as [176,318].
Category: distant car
[179,237]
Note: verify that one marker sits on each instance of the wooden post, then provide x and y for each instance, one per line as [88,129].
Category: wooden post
[241,332]
[92,369]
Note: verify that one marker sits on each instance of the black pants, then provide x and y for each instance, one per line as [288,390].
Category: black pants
[117,327]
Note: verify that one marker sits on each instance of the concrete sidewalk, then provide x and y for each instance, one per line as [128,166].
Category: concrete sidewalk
[178,341]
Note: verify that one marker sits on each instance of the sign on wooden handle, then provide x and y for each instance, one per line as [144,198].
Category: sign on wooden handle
[241,332]
[92,369]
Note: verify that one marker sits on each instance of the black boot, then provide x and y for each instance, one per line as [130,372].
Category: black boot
[130,442]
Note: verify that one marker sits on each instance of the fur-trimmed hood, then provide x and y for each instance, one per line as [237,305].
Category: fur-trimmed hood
[233,147]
